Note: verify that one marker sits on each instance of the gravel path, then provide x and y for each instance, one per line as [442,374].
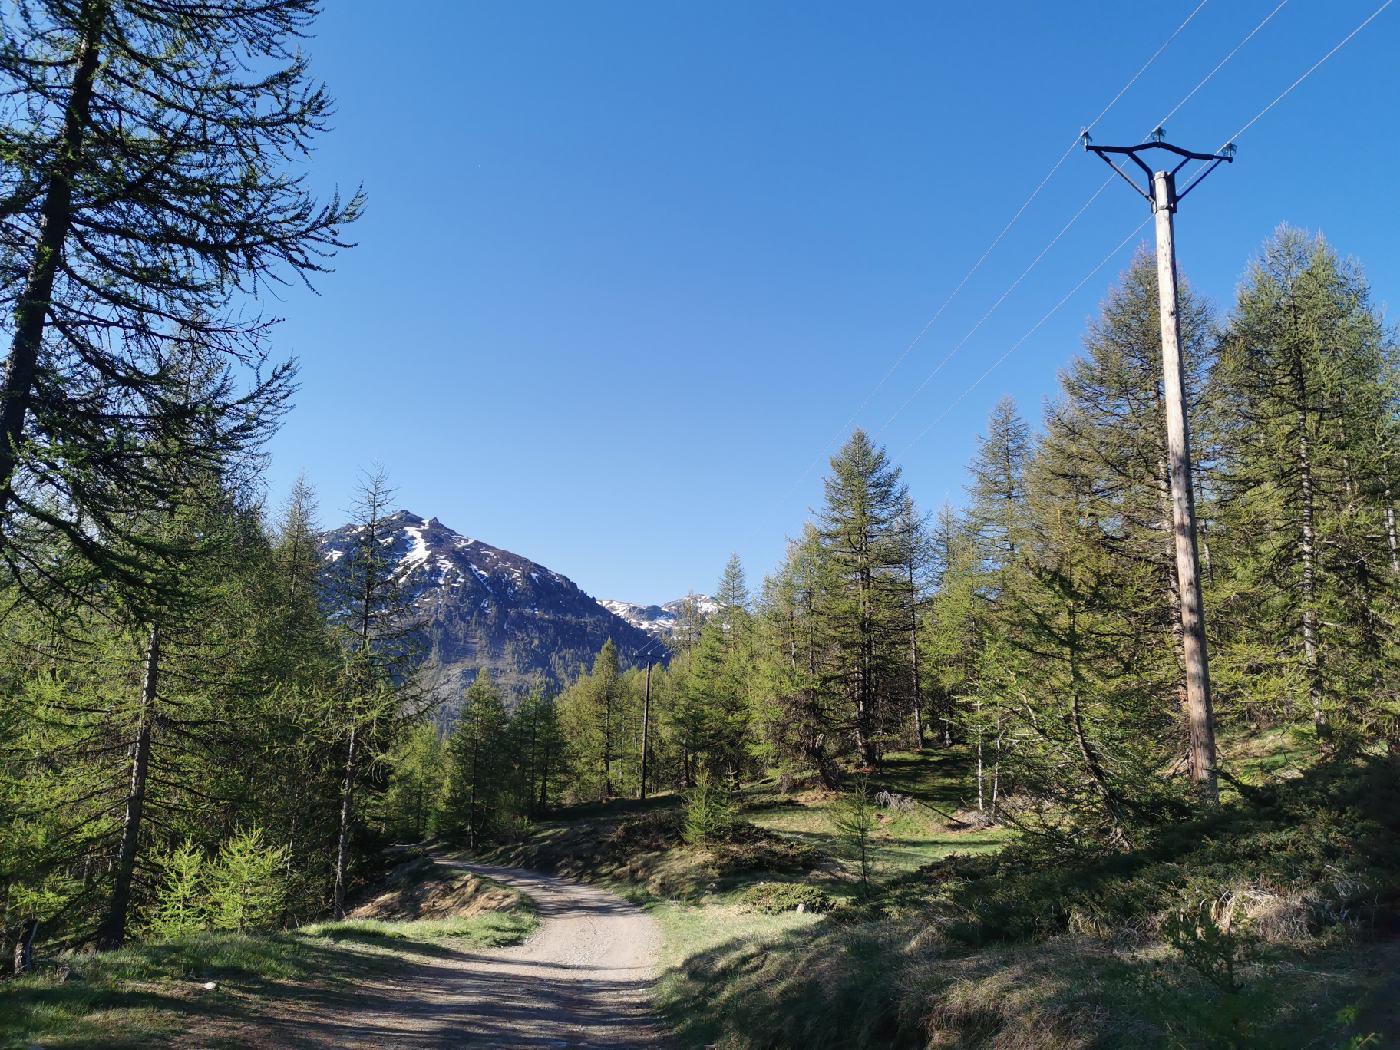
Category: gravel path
[581,980]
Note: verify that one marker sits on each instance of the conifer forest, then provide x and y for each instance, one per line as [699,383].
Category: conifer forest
[937,778]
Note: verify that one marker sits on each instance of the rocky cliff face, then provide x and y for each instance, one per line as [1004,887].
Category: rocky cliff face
[480,606]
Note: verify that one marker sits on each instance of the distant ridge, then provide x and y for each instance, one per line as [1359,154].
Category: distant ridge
[659,621]
[486,607]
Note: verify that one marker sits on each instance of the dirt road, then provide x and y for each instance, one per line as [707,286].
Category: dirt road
[581,980]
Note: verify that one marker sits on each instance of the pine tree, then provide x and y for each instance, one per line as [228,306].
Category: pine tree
[246,886]
[415,784]
[918,555]
[952,643]
[592,718]
[474,807]
[1305,402]
[149,188]
[866,605]
[379,642]
[802,714]
[1078,660]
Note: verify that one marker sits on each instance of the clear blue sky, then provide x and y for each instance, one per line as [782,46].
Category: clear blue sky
[629,267]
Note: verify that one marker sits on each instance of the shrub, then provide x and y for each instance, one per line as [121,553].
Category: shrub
[246,887]
[770,898]
[709,812]
[855,822]
[180,906]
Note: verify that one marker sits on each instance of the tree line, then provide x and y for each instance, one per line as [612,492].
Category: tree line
[1037,624]
[176,708]
[204,725]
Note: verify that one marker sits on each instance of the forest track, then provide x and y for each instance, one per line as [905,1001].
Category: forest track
[583,979]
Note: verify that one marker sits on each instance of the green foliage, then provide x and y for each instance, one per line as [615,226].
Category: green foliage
[246,885]
[181,904]
[242,889]
[1305,405]
[855,821]
[710,812]
[771,898]
[1212,948]
[475,807]
[416,784]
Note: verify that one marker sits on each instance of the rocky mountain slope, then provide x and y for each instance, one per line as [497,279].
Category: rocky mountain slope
[660,621]
[483,607]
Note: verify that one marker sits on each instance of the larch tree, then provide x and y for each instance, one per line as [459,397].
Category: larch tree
[867,601]
[1305,405]
[380,641]
[150,187]
[478,768]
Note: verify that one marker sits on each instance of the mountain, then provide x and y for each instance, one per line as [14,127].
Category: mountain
[659,621]
[484,607]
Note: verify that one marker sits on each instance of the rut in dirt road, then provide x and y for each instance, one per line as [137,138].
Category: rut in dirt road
[583,980]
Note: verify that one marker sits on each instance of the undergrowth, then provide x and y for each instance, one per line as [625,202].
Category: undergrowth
[1269,923]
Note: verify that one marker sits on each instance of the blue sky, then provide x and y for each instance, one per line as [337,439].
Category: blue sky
[629,268]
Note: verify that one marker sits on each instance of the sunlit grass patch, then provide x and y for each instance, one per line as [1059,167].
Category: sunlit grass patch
[143,994]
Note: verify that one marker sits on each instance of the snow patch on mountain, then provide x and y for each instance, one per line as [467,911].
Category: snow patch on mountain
[485,607]
[660,621]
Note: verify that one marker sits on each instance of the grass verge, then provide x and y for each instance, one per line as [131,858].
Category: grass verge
[146,993]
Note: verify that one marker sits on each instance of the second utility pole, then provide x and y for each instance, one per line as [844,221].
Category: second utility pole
[1164,200]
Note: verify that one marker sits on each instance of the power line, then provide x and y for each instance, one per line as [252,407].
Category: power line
[993,308]
[1189,95]
[1015,218]
[1233,139]
[1222,63]
[1030,332]
[1140,72]
[1310,71]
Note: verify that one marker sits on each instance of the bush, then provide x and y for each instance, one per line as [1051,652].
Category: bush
[709,812]
[855,821]
[246,886]
[180,906]
[243,889]
[770,898]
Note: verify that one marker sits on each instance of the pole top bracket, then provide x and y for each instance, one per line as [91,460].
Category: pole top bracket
[1158,142]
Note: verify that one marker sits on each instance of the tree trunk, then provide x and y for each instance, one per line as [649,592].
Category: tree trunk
[1390,532]
[342,846]
[914,660]
[607,746]
[646,726]
[24,947]
[980,776]
[32,306]
[112,932]
[1092,764]
[544,775]
[1307,554]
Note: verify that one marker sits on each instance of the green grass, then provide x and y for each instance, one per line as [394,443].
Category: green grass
[488,930]
[141,995]
[905,840]
[1028,952]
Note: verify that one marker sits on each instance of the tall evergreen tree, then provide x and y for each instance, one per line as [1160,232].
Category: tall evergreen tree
[150,186]
[379,640]
[867,601]
[1305,402]
[478,780]
[592,716]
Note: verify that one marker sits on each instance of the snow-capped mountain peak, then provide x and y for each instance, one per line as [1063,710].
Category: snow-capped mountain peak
[660,620]
[486,607]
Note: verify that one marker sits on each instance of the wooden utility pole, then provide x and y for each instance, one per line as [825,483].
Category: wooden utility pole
[1164,200]
[646,725]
